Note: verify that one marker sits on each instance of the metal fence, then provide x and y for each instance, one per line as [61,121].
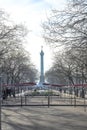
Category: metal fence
[44,101]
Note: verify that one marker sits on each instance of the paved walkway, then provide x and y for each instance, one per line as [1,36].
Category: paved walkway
[44,118]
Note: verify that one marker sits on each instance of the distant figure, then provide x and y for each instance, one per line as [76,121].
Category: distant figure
[4,94]
[8,92]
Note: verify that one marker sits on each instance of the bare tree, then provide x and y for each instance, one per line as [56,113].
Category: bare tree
[11,35]
[17,67]
[15,62]
[69,29]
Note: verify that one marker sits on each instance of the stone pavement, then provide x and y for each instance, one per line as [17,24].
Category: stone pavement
[44,118]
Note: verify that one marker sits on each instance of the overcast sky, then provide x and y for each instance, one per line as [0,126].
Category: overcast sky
[33,13]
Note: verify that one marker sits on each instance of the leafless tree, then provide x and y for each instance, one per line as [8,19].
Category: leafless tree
[68,28]
[15,63]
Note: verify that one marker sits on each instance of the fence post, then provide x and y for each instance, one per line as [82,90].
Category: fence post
[84,102]
[25,99]
[21,101]
[48,100]
[0,99]
[74,98]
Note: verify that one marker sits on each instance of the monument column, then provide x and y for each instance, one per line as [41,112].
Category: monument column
[41,66]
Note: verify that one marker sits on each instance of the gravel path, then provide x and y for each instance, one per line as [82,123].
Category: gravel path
[44,118]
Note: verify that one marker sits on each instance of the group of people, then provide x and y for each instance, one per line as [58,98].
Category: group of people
[8,92]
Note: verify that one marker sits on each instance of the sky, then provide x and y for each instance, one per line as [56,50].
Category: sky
[33,13]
